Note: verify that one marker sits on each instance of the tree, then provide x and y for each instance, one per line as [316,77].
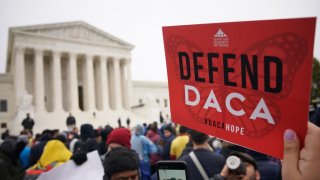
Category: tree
[315,86]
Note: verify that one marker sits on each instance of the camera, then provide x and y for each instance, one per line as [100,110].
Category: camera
[235,165]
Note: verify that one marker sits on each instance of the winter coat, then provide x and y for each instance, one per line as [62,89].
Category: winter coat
[9,164]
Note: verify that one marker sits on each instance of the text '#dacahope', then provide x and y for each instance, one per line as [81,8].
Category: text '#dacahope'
[226,126]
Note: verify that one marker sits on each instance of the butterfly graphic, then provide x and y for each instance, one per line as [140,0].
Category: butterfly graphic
[291,47]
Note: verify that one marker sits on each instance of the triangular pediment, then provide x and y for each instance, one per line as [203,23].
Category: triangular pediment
[76,31]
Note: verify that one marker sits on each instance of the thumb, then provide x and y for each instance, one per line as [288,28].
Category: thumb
[291,154]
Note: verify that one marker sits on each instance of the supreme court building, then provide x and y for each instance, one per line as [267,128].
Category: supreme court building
[56,69]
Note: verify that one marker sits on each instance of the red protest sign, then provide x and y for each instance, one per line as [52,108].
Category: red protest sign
[244,82]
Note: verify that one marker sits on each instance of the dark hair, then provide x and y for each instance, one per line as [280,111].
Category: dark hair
[61,138]
[118,160]
[96,133]
[168,128]
[198,137]
[105,132]
[183,129]
[245,158]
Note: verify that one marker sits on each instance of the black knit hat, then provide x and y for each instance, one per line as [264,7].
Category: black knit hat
[86,131]
[118,160]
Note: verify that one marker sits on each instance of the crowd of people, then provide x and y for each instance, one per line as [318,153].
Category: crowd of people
[133,152]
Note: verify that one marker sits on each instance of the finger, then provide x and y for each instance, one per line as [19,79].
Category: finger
[291,154]
[313,129]
[312,142]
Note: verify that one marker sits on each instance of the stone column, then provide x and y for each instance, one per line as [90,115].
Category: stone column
[128,86]
[20,84]
[89,94]
[56,81]
[73,83]
[39,81]
[117,84]
[104,84]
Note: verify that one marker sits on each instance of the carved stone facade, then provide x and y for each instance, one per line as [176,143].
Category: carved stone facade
[69,68]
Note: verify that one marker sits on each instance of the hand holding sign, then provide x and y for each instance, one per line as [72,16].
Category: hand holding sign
[302,164]
[241,81]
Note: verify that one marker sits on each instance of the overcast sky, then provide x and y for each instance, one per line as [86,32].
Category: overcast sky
[139,22]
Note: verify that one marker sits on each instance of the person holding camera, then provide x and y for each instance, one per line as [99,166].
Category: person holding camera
[202,162]
[239,166]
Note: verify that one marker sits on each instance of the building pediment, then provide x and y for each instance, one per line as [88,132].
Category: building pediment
[75,31]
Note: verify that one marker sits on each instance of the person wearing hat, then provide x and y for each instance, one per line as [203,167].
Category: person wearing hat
[119,137]
[87,142]
[121,163]
[249,171]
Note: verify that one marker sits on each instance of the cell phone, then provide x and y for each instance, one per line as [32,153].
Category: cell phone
[172,170]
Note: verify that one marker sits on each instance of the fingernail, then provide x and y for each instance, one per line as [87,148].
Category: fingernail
[289,135]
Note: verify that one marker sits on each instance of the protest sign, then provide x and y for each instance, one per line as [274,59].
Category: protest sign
[244,82]
[91,169]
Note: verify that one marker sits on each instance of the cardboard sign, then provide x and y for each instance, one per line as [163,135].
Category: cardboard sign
[244,82]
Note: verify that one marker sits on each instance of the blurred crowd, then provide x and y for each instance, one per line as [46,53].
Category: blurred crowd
[129,152]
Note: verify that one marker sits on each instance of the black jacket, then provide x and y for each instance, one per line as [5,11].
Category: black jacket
[9,164]
[28,123]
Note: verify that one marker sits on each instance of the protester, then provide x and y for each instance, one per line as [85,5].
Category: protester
[103,147]
[37,150]
[119,137]
[54,154]
[86,143]
[270,169]
[24,156]
[250,170]
[167,140]
[301,164]
[179,143]
[144,147]
[73,138]
[154,135]
[297,164]
[210,162]
[9,163]
[121,163]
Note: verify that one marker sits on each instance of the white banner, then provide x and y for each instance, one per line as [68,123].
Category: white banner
[91,169]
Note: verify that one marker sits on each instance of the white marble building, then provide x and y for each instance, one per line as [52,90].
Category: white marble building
[74,67]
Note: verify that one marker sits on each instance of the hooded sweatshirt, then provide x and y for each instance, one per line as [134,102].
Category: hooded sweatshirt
[54,154]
